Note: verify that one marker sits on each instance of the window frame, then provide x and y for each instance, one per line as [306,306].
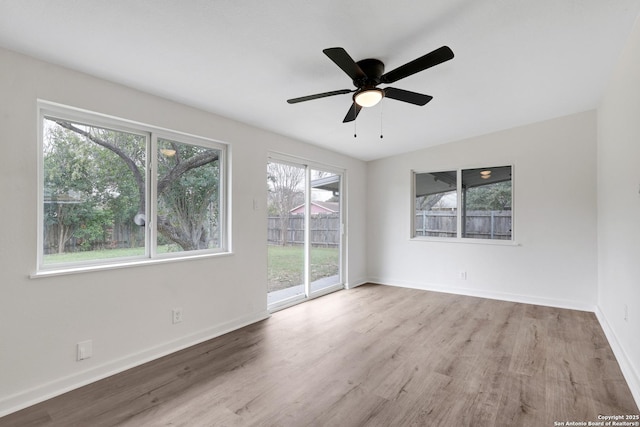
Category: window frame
[47,109]
[459,205]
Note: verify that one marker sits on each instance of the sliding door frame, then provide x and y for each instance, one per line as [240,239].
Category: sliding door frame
[309,165]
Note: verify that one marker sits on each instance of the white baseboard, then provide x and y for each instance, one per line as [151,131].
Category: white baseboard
[59,386]
[502,296]
[355,284]
[629,371]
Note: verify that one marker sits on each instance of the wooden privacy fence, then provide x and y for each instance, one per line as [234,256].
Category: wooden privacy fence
[117,236]
[478,224]
[324,230]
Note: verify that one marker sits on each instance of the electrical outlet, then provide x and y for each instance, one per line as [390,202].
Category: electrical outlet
[626,313]
[462,275]
[84,350]
[177,315]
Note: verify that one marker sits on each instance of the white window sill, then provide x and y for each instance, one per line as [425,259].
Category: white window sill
[464,240]
[62,271]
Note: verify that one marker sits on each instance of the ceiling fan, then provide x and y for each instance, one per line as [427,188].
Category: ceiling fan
[367,74]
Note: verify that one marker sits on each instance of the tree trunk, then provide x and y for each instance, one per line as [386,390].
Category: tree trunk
[64,232]
[61,240]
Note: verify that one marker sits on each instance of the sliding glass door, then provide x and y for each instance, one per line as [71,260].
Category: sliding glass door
[324,230]
[285,230]
[304,231]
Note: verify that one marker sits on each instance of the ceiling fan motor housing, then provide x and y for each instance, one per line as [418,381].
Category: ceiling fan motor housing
[373,69]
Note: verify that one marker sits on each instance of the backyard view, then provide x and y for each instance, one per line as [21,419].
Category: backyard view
[96,191]
[286,265]
[482,202]
[286,229]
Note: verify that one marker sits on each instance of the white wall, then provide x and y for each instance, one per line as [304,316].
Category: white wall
[619,211]
[554,179]
[126,312]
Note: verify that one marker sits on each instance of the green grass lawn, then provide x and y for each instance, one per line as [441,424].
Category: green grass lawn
[97,255]
[286,265]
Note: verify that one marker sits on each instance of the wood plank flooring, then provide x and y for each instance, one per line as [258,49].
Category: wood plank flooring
[371,356]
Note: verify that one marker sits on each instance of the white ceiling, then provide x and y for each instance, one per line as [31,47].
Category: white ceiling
[516,61]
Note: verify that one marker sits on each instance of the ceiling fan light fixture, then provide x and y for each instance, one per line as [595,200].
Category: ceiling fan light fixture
[368,97]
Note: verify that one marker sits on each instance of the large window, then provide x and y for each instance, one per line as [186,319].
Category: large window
[464,204]
[100,203]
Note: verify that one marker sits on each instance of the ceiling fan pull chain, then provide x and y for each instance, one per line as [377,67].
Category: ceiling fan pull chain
[355,128]
[381,109]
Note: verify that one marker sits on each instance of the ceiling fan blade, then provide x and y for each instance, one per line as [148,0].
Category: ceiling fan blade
[407,96]
[436,57]
[353,113]
[318,95]
[345,62]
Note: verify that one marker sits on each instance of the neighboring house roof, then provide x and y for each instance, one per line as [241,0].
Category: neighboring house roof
[318,208]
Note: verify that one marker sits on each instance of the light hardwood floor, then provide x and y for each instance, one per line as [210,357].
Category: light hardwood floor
[375,356]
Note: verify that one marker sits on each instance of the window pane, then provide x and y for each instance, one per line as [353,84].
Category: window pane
[487,203]
[94,193]
[324,232]
[188,194]
[436,202]
[286,233]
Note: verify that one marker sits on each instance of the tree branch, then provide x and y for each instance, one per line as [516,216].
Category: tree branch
[127,160]
[185,166]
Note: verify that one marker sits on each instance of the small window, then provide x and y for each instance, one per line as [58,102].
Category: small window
[97,199]
[486,203]
[464,204]
[436,203]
